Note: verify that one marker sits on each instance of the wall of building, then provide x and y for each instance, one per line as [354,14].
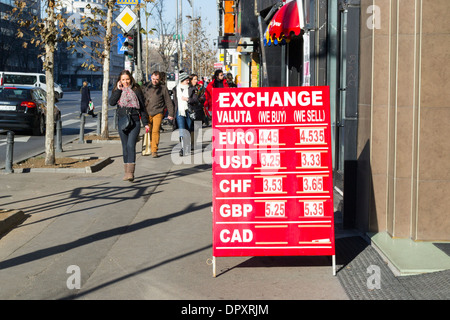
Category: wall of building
[13,55]
[403,119]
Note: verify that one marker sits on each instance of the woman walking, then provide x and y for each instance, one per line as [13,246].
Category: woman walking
[85,100]
[128,97]
[230,81]
[182,112]
[196,98]
[195,103]
[217,82]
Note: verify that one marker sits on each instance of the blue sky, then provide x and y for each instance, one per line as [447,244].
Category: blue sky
[207,9]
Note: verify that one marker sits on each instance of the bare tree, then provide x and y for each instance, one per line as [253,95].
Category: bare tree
[165,30]
[106,56]
[106,62]
[48,32]
[199,55]
[55,28]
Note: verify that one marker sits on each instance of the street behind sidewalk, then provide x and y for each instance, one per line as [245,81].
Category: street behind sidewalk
[151,239]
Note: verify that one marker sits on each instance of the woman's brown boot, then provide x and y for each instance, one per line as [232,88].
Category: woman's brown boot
[131,167]
[126,177]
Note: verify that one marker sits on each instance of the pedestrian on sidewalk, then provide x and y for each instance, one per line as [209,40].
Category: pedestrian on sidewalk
[156,99]
[163,80]
[196,97]
[86,100]
[218,81]
[230,81]
[129,98]
[195,102]
[182,112]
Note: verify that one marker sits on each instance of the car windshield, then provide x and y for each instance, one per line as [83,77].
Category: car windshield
[12,94]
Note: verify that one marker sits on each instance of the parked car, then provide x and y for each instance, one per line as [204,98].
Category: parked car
[8,78]
[24,108]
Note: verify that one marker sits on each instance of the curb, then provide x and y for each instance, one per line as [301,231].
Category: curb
[103,162]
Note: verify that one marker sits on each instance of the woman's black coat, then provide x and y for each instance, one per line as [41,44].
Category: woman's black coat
[141,113]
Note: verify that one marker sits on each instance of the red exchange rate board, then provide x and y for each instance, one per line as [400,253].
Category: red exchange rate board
[272,172]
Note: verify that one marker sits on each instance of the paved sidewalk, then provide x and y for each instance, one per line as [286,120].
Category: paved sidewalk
[152,239]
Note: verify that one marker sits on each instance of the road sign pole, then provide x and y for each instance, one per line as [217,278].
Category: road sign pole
[127,20]
[139,50]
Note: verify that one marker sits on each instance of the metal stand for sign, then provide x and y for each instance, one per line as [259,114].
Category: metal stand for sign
[333,261]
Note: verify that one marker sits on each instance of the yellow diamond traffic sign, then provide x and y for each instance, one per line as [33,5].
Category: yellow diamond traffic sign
[126,19]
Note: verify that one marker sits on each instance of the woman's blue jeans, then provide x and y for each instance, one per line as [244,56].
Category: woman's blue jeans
[185,127]
[129,140]
[185,123]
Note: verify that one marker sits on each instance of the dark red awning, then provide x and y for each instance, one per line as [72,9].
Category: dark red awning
[285,23]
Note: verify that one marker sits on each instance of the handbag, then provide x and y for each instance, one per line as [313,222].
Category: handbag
[190,113]
[91,106]
[146,150]
[129,123]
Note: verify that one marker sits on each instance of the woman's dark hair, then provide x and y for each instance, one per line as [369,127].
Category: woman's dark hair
[216,78]
[216,73]
[191,76]
[133,83]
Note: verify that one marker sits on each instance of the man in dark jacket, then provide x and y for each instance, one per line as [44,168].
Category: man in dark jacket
[156,99]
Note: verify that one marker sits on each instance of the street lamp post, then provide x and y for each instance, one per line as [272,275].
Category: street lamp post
[192,45]
[192,37]
[191,2]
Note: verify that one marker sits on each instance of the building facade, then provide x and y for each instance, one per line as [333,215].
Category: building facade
[403,171]
[385,62]
[13,55]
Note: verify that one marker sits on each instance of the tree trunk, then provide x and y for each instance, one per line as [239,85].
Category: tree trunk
[106,63]
[49,66]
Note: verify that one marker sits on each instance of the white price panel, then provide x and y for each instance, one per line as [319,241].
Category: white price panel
[273,184]
[270,160]
[312,184]
[311,160]
[313,209]
[312,135]
[275,209]
[269,136]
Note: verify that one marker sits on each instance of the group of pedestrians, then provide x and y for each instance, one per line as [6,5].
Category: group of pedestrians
[147,103]
[136,104]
